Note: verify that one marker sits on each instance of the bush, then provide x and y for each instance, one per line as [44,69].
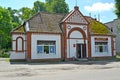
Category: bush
[4,55]
[118,56]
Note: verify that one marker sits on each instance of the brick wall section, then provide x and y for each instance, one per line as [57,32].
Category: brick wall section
[89,46]
[28,46]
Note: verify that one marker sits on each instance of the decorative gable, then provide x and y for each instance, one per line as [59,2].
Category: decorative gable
[76,17]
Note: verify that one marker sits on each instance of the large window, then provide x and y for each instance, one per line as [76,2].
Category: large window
[101,47]
[46,47]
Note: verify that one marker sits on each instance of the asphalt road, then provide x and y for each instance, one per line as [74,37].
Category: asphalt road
[106,74]
[62,71]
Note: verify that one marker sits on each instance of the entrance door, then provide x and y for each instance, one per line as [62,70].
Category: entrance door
[81,50]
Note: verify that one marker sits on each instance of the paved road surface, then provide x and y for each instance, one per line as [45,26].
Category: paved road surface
[68,71]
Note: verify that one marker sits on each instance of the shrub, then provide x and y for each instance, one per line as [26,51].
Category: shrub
[4,55]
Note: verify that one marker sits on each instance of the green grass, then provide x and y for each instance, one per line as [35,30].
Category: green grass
[8,60]
[118,56]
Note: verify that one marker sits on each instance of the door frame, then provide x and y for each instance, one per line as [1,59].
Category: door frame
[82,50]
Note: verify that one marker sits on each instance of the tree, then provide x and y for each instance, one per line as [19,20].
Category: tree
[15,17]
[52,6]
[49,1]
[60,6]
[57,6]
[10,18]
[5,28]
[117,8]
[117,12]
[48,5]
[39,6]
[25,13]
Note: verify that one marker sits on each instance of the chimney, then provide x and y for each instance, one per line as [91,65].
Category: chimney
[76,8]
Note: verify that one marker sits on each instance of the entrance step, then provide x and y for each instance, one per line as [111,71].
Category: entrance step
[84,59]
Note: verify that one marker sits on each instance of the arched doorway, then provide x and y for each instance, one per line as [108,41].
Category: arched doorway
[76,43]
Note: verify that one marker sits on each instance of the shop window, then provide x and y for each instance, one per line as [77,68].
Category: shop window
[101,47]
[46,47]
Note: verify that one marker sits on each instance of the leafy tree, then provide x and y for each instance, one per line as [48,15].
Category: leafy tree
[49,1]
[52,6]
[10,18]
[57,6]
[117,6]
[25,13]
[48,5]
[39,6]
[15,17]
[117,12]
[5,28]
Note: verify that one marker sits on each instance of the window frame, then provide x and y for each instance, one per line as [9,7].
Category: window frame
[17,44]
[101,47]
[46,43]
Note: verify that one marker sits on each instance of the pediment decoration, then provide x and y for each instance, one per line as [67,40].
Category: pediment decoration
[77,17]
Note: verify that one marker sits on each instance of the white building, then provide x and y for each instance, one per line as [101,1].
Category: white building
[47,36]
[113,27]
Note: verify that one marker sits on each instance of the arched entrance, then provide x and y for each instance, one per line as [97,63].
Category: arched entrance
[76,43]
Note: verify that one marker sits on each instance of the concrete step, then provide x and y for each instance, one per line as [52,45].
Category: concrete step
[82,59]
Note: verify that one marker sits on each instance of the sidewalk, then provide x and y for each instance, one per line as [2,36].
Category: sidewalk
[3,59]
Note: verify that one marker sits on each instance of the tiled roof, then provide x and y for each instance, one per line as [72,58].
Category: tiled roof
[97,27]
[19,29]
[49,22]
[45,22]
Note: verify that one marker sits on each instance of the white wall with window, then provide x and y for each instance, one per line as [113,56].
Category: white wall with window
[17,52]
[101,48]
[14,38]
[45,46]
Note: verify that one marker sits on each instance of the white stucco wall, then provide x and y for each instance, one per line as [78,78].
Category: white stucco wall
[46,37]
[78,26]
[18,55]
[76,38]
[14,45]
[14,37]
[104,54]
[114,40]
[14,54]
[71,50]
[76,34]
